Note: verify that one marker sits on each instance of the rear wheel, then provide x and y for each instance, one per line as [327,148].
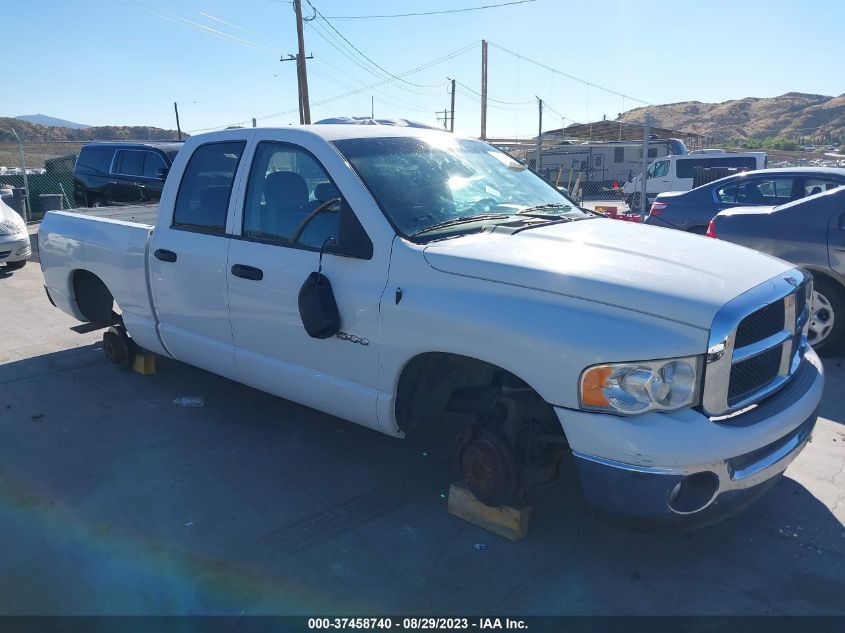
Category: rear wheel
[15,265]
[827,315]
[96,202]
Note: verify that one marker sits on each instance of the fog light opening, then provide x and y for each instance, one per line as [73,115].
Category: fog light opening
[693,493]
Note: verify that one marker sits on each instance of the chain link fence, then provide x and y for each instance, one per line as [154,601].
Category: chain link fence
[45,169]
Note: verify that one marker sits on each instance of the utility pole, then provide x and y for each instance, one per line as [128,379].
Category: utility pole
[26,213]
[539,135]
[301,72]
[644,177]
[452,123]
[253,121]
[178,127]
[372,107]
[295,58]
[445,118]
[483,90]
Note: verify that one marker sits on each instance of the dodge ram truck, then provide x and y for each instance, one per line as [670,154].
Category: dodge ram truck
[408,279]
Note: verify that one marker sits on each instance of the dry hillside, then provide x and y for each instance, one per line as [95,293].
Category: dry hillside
[794,115]
[32,132]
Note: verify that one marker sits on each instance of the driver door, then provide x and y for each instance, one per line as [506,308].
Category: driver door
[289,209]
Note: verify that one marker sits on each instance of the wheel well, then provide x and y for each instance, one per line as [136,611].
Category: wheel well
[819,274]
[93,298]
[428,384]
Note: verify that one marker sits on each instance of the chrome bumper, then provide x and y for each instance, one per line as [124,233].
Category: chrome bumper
[704,493]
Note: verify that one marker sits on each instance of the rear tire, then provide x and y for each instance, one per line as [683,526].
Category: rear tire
[15,265]
[96,202]
[827,316]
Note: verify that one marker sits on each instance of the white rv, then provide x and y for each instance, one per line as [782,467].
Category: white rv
[598,165]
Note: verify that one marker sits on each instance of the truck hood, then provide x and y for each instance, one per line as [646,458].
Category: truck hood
[662,272]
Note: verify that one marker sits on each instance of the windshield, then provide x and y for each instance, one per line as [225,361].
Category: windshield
[423,182]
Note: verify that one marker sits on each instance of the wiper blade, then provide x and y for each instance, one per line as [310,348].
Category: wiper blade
[542,207]
[462,220]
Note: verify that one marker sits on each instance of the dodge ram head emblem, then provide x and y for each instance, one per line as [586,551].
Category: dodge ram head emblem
[791,281]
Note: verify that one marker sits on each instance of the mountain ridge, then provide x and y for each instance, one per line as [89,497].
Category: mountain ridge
[793,115]
[50,121]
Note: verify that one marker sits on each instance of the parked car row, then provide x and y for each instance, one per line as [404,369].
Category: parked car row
[795,214]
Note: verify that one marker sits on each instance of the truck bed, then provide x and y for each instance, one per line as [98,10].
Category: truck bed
[138,213]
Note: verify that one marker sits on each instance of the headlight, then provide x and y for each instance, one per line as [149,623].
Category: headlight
[631,388]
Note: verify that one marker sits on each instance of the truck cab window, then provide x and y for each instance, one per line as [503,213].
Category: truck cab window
[286,187]
[659,169]
[203,197]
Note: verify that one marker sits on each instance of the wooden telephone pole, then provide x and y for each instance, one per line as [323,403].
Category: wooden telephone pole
[483,90]
[301,71]
[452,119]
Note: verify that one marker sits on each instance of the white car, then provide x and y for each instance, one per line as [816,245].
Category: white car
[15,248]
[410,280]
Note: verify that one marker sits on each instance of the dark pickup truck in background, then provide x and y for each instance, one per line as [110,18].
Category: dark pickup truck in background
[122,173]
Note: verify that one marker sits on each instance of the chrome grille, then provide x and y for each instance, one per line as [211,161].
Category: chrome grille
[760,324]
[749,376]
[756,344]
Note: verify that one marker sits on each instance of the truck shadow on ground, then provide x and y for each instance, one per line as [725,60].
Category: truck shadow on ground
[253,502]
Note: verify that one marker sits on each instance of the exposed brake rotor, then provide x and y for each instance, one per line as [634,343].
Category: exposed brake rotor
[488,465]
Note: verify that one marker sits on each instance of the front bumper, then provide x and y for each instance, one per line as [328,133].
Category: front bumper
[15,249]
[756,448]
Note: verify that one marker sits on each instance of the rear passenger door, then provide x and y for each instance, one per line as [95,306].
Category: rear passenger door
[151,181]
[188,258]
[127,167]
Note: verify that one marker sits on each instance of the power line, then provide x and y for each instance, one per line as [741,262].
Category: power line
[494,106]
[236,89]
[345,52]
[222,21]
[175,19]
[408,15]
[475,92]
[424,66]
[385,98]
[357,50]
[568,76]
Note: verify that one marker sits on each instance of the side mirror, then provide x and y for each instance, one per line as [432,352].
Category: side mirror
[353,240]
[161,174]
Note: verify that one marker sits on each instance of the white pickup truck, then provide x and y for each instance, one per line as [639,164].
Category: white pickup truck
[409,279]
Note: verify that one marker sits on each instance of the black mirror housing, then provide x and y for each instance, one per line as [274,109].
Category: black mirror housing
[353,240]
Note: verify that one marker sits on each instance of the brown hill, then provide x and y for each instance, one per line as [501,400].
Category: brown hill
[794,115]
[35,133]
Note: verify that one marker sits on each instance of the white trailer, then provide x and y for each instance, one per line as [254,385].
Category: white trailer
[599,165]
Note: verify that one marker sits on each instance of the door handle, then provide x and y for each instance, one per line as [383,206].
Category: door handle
[247,272]
[165,255]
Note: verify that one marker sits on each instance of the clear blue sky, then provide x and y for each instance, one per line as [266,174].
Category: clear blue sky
[124,62]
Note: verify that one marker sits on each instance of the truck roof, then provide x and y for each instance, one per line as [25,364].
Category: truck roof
[341,131]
